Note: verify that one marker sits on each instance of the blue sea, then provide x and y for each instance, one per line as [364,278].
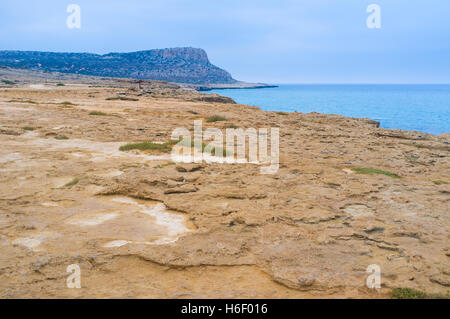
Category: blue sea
[424,108]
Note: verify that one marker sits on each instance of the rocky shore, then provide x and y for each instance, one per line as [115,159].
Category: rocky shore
[347,195]
[237,85]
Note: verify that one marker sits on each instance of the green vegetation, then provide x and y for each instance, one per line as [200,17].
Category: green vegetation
[370,171]
[173,142]
[22,101]
[60,84]
[121,98]
[8,82]
[409,293]
[163,67]
[215,118]
[98,113]
[165,147]
[67,103]
[282,113]
[164,165]
[231,125]
[28,128]
[440,182]
[204,145]
[74,181]
[219,150]
[61,137]
[144,146]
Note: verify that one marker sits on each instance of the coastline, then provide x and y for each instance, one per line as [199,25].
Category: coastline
[342,183]
[228,86]
[394,106]
[22,76]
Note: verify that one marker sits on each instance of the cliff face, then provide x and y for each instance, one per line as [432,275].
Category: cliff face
[183,65]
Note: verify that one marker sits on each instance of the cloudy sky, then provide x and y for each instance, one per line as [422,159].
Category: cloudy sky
[283,41]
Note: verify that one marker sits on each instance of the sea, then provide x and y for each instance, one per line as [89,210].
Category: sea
[423,108]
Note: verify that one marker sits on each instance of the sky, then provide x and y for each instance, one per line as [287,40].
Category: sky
[282,41]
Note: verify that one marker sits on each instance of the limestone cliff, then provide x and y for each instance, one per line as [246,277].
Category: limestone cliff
[183,65]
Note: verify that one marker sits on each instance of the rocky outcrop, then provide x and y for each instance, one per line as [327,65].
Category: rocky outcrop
[183,65]
[347,195]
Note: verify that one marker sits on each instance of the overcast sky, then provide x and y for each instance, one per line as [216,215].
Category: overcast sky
[297,41]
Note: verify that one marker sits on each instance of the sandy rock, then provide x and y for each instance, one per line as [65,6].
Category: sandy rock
[309,230]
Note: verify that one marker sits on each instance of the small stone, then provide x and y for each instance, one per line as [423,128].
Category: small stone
[305,281]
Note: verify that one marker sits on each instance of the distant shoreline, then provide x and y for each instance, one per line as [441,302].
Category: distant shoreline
[394,106]
[229,86]
[238,88]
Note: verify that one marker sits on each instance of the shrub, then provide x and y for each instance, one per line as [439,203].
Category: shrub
[98,113]
[121,98]
[143,146]
[8,82]
[22,101]
[370,171]
[409,293]
[215,118]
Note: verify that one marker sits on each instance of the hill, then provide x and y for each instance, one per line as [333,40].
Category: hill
[182,65]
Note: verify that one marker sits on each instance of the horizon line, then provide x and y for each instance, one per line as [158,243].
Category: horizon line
[345,83]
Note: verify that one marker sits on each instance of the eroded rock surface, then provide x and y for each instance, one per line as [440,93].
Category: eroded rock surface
[141,226]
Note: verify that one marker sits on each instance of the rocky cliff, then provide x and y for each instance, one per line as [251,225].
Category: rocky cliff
[183,65]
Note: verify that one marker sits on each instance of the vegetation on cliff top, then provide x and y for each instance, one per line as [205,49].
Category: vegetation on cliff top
[182,65]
